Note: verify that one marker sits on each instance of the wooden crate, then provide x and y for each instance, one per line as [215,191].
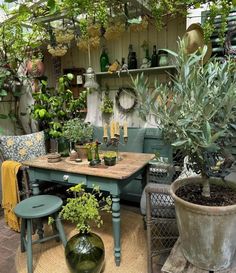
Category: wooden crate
[176,263]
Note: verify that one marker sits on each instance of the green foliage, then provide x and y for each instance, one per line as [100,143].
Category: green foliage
[54,107]
[110,154]
[107,105]
[197,112]
[85,207]
[175,7]
[77,131]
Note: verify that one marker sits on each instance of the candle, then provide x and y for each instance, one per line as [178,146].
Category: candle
[112,128]
[105,130]
[125,125]
[117,130]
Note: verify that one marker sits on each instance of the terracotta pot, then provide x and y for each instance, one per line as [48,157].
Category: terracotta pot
[207,233]
[82,151]
[35,68]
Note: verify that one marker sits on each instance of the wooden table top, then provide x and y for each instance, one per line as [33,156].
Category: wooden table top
[130,164]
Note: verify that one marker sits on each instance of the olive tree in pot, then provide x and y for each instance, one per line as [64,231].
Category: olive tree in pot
[85,251]
[197,115]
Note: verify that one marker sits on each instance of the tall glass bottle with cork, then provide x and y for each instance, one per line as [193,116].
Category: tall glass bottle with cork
[104,60]
[154,59]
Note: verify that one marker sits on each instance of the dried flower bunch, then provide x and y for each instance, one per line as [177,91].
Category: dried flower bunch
[63,36]
[58,50]
[114,31]
[138,27]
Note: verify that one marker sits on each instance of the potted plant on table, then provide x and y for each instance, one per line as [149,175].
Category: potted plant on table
[78,132]
[197,116]
[110,158]
[85,251]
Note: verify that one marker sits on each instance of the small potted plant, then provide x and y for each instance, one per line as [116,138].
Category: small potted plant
[110,158]
[85,251]
[78,132]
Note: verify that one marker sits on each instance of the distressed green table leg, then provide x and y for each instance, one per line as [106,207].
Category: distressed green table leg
[29,246]
[116,227]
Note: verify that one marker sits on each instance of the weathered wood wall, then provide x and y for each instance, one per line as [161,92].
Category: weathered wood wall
[166,38]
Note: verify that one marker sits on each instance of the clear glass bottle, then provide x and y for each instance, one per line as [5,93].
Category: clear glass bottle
[163,58]
[154,59]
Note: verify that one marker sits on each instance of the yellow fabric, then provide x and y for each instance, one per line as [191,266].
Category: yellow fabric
[10,193]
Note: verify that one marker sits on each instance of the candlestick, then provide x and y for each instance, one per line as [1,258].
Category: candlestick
[112,128]
[117,129]
[105,130]
[125,125]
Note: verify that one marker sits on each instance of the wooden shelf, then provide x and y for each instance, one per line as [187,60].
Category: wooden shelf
[151,70]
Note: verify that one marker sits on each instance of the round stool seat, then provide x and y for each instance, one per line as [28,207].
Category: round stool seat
[38,206]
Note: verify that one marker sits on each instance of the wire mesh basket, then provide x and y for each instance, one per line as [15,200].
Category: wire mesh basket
[162,231]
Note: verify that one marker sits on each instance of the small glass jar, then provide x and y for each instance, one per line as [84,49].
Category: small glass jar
[163,58]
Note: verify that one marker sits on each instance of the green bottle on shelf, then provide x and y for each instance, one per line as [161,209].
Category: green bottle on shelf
[154,59]
[104,61]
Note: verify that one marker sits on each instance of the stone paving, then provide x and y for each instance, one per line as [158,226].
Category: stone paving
[9,242]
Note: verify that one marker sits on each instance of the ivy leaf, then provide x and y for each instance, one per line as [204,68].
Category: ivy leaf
[42,113]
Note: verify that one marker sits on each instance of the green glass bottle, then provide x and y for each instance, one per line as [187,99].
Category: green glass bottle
[104,61]
[154,59]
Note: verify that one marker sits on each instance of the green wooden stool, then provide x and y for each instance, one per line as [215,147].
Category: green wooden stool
[37,207]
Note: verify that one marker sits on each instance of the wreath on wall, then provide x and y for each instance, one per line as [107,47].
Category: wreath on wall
[128,91]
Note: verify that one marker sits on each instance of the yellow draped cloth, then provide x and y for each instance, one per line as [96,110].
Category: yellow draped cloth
[10,193]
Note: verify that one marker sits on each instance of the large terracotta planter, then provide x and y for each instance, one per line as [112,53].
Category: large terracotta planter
[208,234]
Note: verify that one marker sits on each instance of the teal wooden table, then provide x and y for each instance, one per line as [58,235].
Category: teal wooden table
[111,179]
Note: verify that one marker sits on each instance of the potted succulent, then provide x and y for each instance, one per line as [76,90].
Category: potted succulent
[110,158]
[197,115]
[85,251]
[78,132]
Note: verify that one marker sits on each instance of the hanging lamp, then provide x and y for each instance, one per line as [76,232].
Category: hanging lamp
[90,76]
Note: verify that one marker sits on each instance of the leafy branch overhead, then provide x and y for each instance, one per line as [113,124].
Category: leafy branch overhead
[101,12]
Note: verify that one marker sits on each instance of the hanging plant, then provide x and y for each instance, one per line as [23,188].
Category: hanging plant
[57,50]
[114,31]
[139,24]
[63,36]
[107,104]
